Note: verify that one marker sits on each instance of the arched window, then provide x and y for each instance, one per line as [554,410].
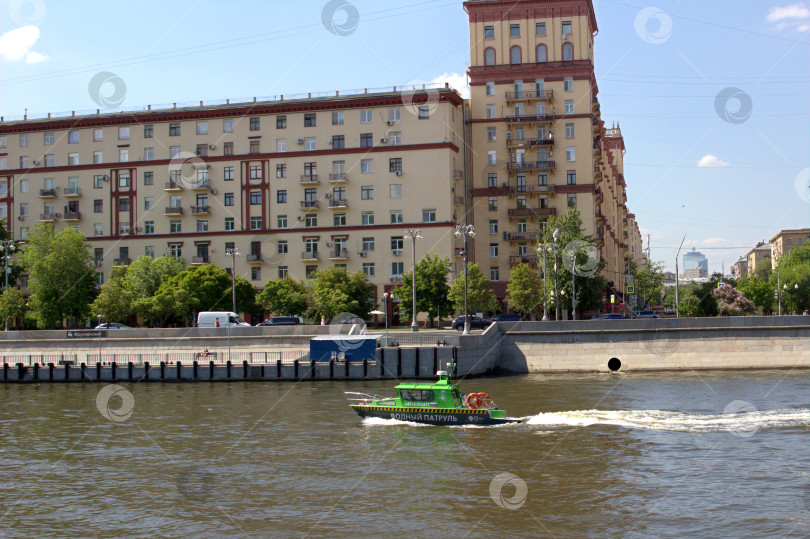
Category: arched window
[568,52]
[542,54]
[489,56]
[514,55]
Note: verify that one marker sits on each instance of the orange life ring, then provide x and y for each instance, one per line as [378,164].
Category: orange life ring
[473,401]
[486,401]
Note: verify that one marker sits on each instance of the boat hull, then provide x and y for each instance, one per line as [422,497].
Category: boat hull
[433,416]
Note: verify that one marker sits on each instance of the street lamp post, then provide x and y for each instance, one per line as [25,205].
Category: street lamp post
[468,231]
[233,253]
[8,247]
[556,280]
[544,247]
[414,235]
[385,302]
[677,278]
[99,337]
[779,281]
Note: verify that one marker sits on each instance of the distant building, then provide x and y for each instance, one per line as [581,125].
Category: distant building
[786,240]
[696,261]
[739,269]
[760,253]
[694,274]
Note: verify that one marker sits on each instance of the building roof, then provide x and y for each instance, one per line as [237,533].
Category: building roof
[805,231]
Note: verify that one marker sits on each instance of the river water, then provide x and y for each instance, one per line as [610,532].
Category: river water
[709,454]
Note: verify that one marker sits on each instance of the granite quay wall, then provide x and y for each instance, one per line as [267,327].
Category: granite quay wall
[655,344]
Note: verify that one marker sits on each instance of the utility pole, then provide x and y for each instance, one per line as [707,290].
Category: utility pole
[677,278]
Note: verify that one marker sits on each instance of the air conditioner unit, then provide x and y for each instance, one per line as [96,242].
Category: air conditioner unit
[300,217]
[396,252]
[328,195]
[362,253]
[20,217]
[300,141]
[36,162]
[57,215]
[389,122]
[383,140]
[105,178]
[213,191]
[137,229]
[212,146]
[398,173]
[328,243]
[550,154]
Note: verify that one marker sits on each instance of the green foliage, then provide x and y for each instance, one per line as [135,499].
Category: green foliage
[16,269]
[524,293]
[764,271]
[145,274]
[12,305]
[795,271]
[334,291]
[689,307]
[758,291]
[480,298]
[648,281]
[684,289]
[431,287]
[61,280]
[286,297]
[731,302]
[114,301]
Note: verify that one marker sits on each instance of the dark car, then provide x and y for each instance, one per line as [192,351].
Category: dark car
[505,317]
[475,323]
[611,316]
[280,321]
[112,325]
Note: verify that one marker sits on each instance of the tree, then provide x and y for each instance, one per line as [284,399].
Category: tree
[61,280]
[648,281]
[283,297]
[731,302]
[12,305]
[524,293]
[431,287]
[480,298]
[114,301]
[15,269]
[759,292]
[795,271]
[334,291]
[145,275]
[689,307]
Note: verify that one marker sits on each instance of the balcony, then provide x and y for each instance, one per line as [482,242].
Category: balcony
[531,189]
[338,177]
[199,260]
[47,193]
[255,258]
[200,210]
[73,192]
[122,262]
[597,195]
[48,216]
[200,185]
[458,174]
[531,165]
[521,236]
[530,119]
[530,95]
[171,210]
[309,178]
[338,203]
[310,255]
[458,201]
[396,278]
[524,259]
[339,254]
[310,205]
[532,212]
[173,186]
[73,216]
[512,142]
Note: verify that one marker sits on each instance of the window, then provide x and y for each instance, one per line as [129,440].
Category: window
[522,226]
[569,130]
[281,221]
[514,30]
[23,209]
[492,179]
[123,204]
[568,84]
[395,190]
[395,137]
[254,124]
[311,169]
[255,172]
[566,28]
[311,221]
[23,140]
[492,157]
[281,122]
[282,272]
[149,251]
[368,269]
[174,130]
[227,126]
[571,177]
[255,146]
[490,88]
[490,134]
[227,148]
[337,117]
[368,244]
[255,274]
[368,218]
[366,116]
[175,250]
[493,203]
[569,106]
[572,200]
[367,192]
[281,171]
[227,174]
[123,179]
[202,128]
[229,199]
[98,157]
[123,155]
[521,202]
[202,150]
[310,143]
[542,178]
[424,112]
[489,56]
[255,198]
[149,227]
[202,225]
[339,219]
[493,226]
[309,120]
[493,250]
[175,226]
[49,160]
[2,141]
[514,55]
[366,140]
[366,166]
[281,196]
[174,151]
[570,153]
[494,273]
[489,32]
[148,203]
[568,52]
[256,223]
[49,137]
[73,158]
[395,164]
[98,229]
[396,217]
[542,54]
[229,223]
[490,111]
[397,243]
[540,29]
[338,142]
[394,114]
[98,206]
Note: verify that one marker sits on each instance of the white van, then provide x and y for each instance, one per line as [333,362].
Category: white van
[209,319]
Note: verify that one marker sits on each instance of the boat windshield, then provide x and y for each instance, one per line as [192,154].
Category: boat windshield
[416,394]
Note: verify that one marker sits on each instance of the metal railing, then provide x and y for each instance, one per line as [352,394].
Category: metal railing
[184,358]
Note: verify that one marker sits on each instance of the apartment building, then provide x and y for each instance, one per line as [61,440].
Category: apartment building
[761,253]
[740,268]
[295,185]
[539,143]
[785,240]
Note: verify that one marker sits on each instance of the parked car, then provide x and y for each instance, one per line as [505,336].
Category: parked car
[611,316]
[645,314]
[475,323]
[211,319]
[280,321]
[506,317]
[112,325]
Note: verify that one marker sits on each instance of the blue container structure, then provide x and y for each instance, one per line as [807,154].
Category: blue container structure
[343,347]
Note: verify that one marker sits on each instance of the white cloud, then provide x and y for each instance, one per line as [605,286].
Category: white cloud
[791,11]
[456,81]
[711,161]
[16,45]
[714,242]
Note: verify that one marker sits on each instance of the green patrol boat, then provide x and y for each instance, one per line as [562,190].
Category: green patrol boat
[437,403]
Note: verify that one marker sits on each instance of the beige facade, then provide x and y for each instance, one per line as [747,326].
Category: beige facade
[740,268]
[539,143]
[759,254]
[785,240]
[294,185]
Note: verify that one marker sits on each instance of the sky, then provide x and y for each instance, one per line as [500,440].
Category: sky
[712,96]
